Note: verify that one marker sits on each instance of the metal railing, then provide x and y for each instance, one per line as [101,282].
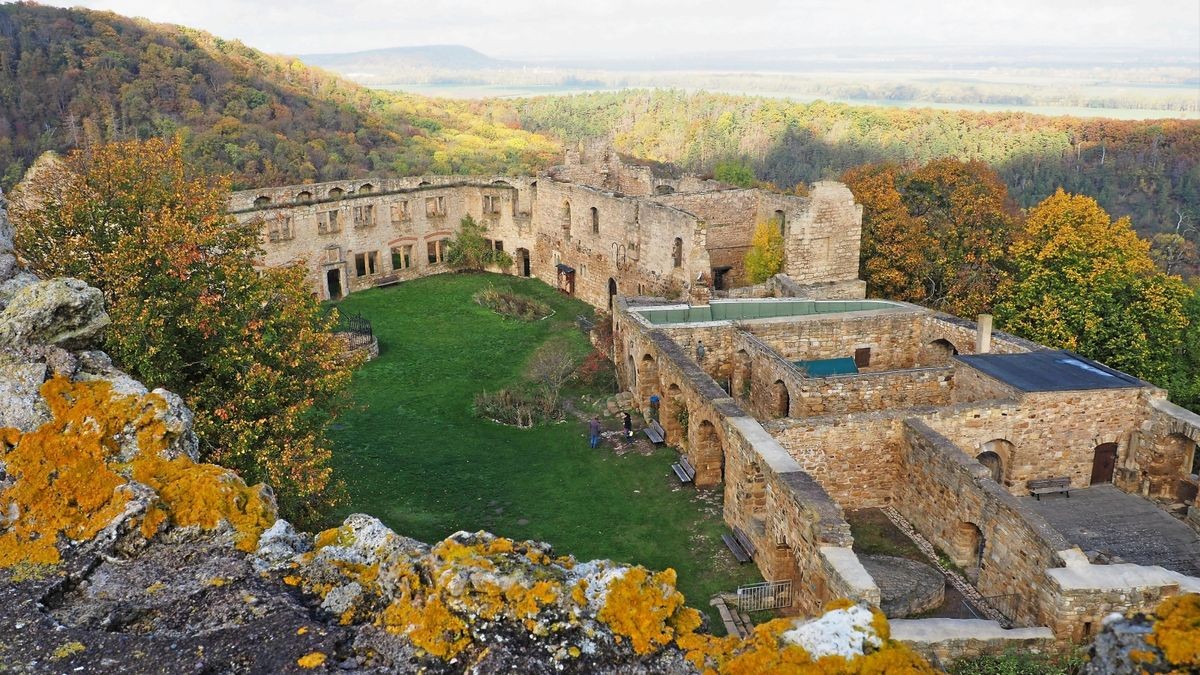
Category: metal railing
[1003,605]
[358,329]
[767,595]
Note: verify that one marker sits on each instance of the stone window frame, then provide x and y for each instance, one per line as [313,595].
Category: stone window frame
[491,205]
[364,215]
[366,264]
[403,253]
[435,207]
[280,228]
[329,222]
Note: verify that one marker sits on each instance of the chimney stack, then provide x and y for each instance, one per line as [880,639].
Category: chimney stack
[983,341]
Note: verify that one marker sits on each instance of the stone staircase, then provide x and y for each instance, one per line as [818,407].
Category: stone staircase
[736,622]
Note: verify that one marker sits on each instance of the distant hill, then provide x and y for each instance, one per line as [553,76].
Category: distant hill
[455,57]
[70,77]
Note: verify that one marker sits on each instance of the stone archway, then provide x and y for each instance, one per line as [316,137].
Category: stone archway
[670,413]
[938,352]
[968,546]
[522,260]
[706,453]
[742,383]
[781,400]
[647,381]
[333,283]
[612,292]
[998,453]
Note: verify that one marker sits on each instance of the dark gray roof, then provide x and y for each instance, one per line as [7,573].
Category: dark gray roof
[1060,370]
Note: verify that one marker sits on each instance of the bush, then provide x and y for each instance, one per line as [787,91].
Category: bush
[1014,663]
[517,408]
[597,371]
[507,303]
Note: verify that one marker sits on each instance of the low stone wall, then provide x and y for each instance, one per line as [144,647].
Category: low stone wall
[780,286]
[944,641]
[892,335]
[962,334]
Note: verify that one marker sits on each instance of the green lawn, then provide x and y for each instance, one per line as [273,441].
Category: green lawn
[412,453]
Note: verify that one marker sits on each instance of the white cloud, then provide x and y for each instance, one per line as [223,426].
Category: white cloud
[522,28]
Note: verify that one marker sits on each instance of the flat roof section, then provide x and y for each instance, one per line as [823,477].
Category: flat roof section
[1059,370]
[741,310]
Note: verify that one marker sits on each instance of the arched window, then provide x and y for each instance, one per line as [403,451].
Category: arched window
[677,252]
[262,200]
[336,193]
[366,189]
[780,220]
[304,197]
[595,220]
[565,218]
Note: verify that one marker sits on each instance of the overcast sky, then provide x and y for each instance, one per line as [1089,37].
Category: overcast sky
[615,28]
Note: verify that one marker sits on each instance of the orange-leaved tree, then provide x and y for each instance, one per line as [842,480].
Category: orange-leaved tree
[935,235]
[1086,282]
[250,350]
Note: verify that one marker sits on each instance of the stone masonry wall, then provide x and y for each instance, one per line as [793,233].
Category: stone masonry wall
[1162,462]
[952,500]
[823,242]
[893,336]
[973,385]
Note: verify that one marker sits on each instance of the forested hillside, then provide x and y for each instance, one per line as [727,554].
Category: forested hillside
[1149,170]
[69,78]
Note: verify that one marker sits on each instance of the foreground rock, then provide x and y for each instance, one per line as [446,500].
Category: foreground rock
[1166,642]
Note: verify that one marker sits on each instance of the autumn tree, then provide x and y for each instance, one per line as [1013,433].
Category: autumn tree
[470,250]
[765,257]
[734,173]
[249,350]
[1085,282]
[935,236]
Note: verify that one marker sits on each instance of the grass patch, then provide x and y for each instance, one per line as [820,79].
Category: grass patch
[413,453]
[510,304]
[874,534]
[1015,663]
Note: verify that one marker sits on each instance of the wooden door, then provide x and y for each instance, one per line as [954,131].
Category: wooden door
[1104,463]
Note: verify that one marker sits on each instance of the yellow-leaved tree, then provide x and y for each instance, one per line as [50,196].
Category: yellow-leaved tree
[765,257]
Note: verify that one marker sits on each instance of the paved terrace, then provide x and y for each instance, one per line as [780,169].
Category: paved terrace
[1105,519]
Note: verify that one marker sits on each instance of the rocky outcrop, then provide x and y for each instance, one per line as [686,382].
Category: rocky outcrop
[1166,642]
[120,552]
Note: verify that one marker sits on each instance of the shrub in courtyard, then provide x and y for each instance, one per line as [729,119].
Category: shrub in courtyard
[516,408]
[765,257]
[507,303]
[597,371]
[550,368]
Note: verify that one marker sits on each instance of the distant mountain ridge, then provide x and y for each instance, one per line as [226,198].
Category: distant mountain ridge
[420,56]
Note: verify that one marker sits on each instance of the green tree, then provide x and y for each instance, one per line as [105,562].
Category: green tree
[1086,282]
[470,250]
[734,173]
[765,257]
[249,350]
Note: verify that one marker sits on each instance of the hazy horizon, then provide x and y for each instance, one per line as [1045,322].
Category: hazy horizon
[620,29]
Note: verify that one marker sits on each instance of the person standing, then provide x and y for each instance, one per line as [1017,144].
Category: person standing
[594,432]
[627,422]
[654,400]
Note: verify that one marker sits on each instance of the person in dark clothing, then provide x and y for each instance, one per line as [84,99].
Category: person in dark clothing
[594,432]
[627,422]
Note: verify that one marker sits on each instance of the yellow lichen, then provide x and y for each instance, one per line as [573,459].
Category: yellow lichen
[431,626]
[67,649]
[155,587]
[311,660]
[68,482]
[643,608]
[1177,632]
[217,581]
[301,630]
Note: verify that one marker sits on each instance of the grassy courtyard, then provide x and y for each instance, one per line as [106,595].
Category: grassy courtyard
[412,452]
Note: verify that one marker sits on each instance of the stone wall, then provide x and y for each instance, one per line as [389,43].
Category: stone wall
[779,286]
[971,384]
[729,218]
[962,334]
[823,241]
[1046,434]
[892,335]
[952,500]
[1161,464]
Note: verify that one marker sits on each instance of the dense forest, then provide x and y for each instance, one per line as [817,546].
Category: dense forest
[1148,170]
[74,78]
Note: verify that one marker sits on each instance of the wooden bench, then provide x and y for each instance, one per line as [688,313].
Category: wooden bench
[387,280]
[683,469]
[1044,486]
[740,545]
[655,433]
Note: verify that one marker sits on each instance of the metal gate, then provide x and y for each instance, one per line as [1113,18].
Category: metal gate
[767,595]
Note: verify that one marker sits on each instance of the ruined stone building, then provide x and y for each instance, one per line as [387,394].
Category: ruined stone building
[799,399]
[595,227]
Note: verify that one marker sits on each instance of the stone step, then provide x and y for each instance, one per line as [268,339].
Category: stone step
[732,626]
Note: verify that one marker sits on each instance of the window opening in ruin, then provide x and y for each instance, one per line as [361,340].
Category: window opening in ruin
[718,277]
[565,219]
[612,291]
[360,264]
[373,262]
[431,250]
[677,253]
[782,399]
[781,221]
[402,257]
[435,207]
[279,228]
[994,464]
[364,216]
[1195,468]
[862,357]
[500,245]
[262,200]
[491,204]
[366,188]
[523,261]
[400,213]
[329,223]
[595,220]
[304,197]
[336,193]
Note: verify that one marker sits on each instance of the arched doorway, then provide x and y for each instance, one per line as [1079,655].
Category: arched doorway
[742,384]
[677,252]
[997,455]
[968,548]
[1177,475]
[707,456]
[994,464]
[565,219]
[781,400]
[781,221]
[612,291]
[938,352]
[1104,463]
[333,281]
[672,415]
[523,262]
[647,381]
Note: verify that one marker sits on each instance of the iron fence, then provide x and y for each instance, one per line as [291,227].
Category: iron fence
[358,330]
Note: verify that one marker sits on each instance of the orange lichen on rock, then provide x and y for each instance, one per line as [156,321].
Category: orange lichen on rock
[647,609]
[1177,631]
[311,660]
[430,625]
[69,484]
